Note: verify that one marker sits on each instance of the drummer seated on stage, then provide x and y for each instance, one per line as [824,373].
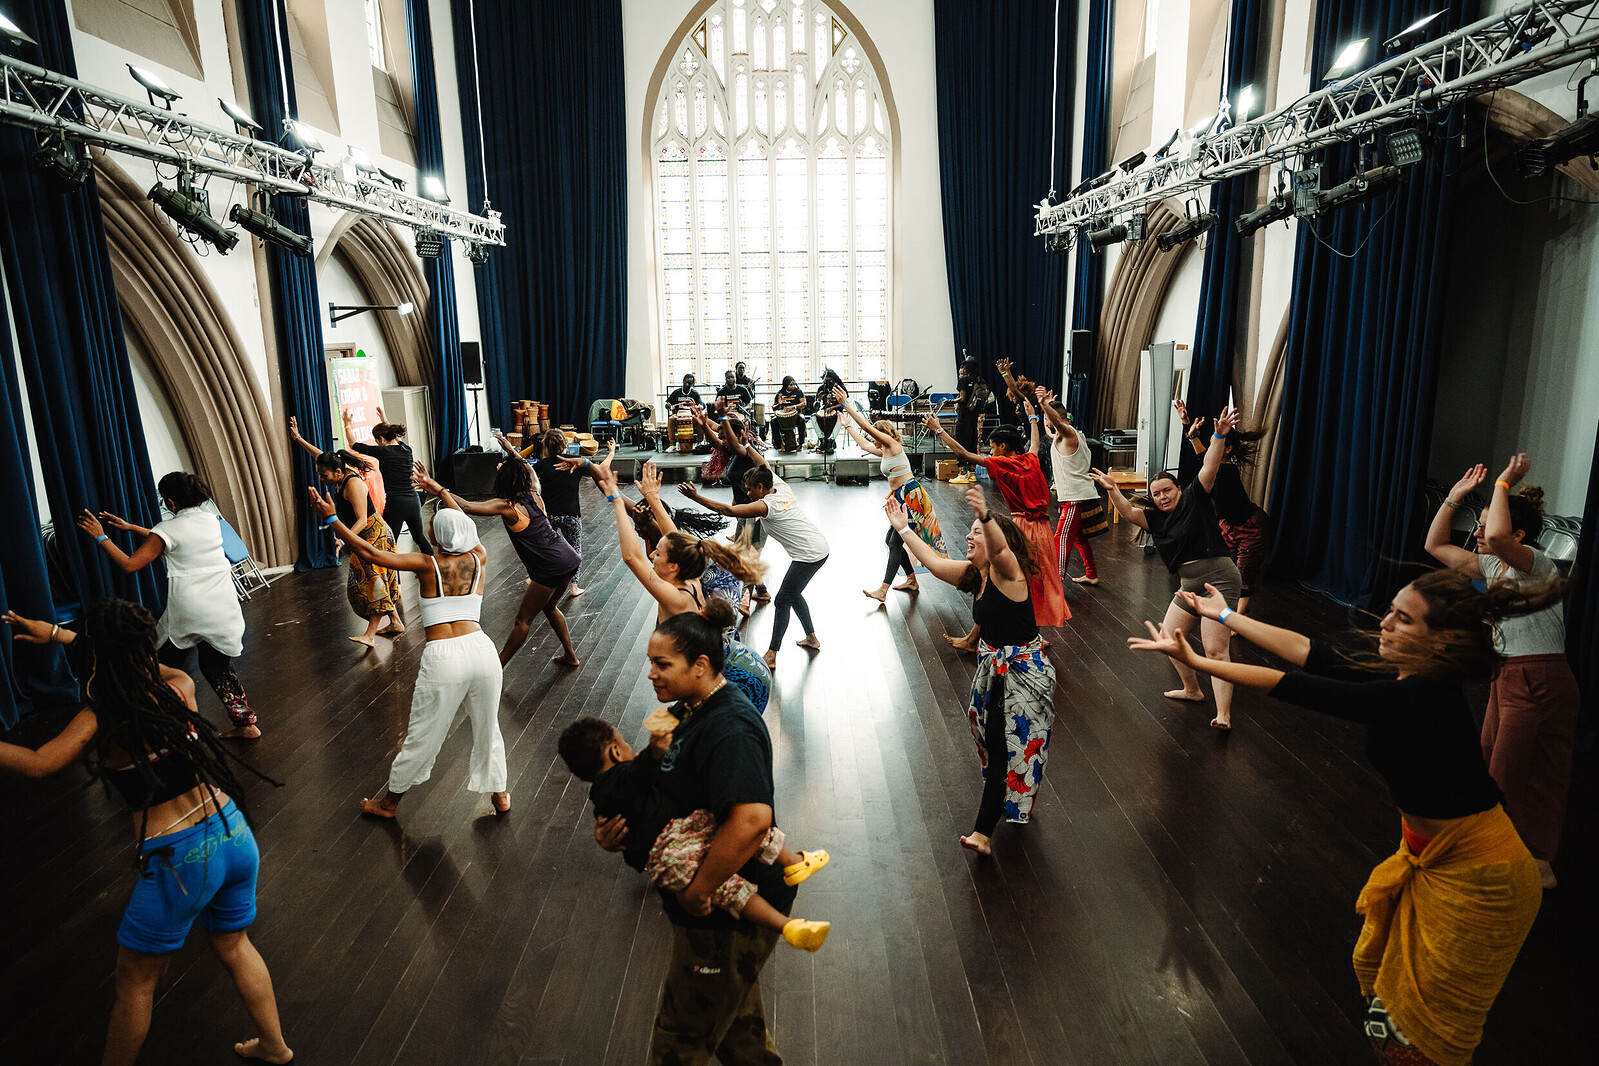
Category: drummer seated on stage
[789,407]
[678,411]
[733,398]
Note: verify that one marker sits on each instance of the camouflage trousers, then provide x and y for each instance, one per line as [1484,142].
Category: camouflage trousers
[711,999]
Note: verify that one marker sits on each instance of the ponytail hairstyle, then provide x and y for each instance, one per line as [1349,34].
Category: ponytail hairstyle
[690,553]
[140,714]
[337,460]
[884,426]
[183,490]
[719,612]
[552,444]
[388,432]
[1526,512]
[694,636]
[1242,444]
[513,480]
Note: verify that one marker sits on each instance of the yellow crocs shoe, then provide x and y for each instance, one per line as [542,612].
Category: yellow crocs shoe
[810,862]
[807,936]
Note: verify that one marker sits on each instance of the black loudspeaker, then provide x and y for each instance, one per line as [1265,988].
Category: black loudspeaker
[474,472]
[472,362]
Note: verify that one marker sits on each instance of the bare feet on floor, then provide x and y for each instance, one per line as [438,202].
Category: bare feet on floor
[252,1049]
[880,594]
[908,585]
[810,643]
[1191,696]
[376,807]
[573,592]
[770,658]
[392,630]
[566,660]
[1085,580]
[1223,724]
[977,842]
[243,732]
[960,643]
[366,640]
[501,801]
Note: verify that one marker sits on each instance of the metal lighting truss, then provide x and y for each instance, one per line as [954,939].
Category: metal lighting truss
[58,106]
[1528,40]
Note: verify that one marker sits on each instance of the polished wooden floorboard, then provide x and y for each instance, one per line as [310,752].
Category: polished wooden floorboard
[1182,896]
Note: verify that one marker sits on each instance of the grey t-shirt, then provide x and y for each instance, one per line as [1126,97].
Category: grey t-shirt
[1543,633]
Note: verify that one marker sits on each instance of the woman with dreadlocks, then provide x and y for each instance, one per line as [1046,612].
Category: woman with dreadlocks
[1445,914]
[202,617]
[197,858]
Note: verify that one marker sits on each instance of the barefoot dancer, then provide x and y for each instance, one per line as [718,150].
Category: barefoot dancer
[1183,524]
[549,560]
[882,439]
[202,616]
[1081,513]
[1012,711]
[559,477]
[402,508]
[459,668]
[154,748]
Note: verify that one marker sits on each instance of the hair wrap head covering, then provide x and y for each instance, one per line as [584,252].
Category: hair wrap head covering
[454,531]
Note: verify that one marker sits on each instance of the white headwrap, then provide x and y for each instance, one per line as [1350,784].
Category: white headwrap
[454,531]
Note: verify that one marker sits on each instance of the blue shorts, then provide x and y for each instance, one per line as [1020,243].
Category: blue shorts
[204,872]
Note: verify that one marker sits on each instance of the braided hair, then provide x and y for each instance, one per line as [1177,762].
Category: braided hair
[689,519]
[513,479]
[141,714]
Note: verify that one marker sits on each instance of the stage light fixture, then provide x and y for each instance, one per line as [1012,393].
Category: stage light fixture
[241,118]
[357,157]
[1163,150]
[1348,59]
[185,207]
[1246,104]
[1412,35]
[302,133]
[1103,234]
[477,254]
[429,244]
[393,179]
[1192,227]
[1405,148]
[1278,209]
[64,162]
[13,33]
[1094,183]
[154,86]
[1581,138]
[434,189]
[1362,186]
[1131,163]
[1060,243]
[269,229]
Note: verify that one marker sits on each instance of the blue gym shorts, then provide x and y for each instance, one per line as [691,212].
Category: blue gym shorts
[205,872]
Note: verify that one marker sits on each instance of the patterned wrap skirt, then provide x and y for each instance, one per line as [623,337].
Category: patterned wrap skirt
[373,590]
[919,510]
[1017,681]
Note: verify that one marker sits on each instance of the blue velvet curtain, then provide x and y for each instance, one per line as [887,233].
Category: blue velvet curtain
[1088,297]
[1363,351]
[69,331]
[296,307]
[553,302]
[1216,333]
[1582,606]
[449,406]
[995,68]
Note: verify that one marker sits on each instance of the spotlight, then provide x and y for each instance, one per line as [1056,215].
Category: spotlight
[434,189]
[13,33]
[1360,187]
[185,209]
[1581,138]
[1246,103]
[1131,163]
[1108,234]
[360,160]
[392,179]
[1060,243]
[302,133]
[154,86]
[429,244]
[1404,148]
[1190,228]
[269,229]
[405,308]
[1411,35]
[1161,152]
[477,254]
[1352,54]
[241,119]
[1277,209]
[64,164]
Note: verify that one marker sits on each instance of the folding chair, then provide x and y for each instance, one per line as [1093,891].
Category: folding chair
[247,577]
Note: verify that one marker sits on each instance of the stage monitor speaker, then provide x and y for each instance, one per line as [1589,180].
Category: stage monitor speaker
[474,472]
[472,362]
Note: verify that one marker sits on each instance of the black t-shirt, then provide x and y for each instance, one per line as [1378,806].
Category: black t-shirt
[394,463]
[560,487]
[678,396]
[1420,733]
[1232,501]
[721,757]
[793,397]
[1188,531]
[628,789]
[735,392]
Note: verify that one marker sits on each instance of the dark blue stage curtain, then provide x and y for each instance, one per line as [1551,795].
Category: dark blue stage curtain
[449,405]
[69,332]
[1582,606]
[995,68]
[1088,298]
[553,303]
[1216,333]
[1363,352]
[296,307]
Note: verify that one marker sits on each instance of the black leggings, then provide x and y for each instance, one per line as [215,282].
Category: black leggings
[899,557]
[218,671]
[406,507]
[992,808]
[789,595]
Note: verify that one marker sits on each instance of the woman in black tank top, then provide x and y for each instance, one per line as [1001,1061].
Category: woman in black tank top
[1012,709]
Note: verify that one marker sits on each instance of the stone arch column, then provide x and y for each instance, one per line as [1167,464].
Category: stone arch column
[226,420]
[388,273]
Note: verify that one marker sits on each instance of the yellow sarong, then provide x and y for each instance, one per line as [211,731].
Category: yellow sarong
[1443,929]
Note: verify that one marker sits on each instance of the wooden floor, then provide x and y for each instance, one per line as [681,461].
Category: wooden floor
[1182,897]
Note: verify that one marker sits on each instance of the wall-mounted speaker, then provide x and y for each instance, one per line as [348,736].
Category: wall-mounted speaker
[472,362]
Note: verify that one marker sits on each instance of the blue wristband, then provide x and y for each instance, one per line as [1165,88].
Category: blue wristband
[1218,436]
[1226,613]
[101,537]
[611,498]
[330,519]
[1033,417]
[585,462]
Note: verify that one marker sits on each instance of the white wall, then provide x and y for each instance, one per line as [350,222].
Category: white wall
[338,285]
[162,437]
[902,31]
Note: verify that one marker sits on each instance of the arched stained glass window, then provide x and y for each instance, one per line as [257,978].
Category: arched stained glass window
[772,237]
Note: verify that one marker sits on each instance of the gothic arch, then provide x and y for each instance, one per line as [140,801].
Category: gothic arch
[387,273]
[225,417]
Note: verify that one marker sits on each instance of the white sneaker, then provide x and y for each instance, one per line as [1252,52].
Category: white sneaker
[963,479]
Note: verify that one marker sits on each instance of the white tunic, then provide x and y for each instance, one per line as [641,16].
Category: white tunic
[202,605]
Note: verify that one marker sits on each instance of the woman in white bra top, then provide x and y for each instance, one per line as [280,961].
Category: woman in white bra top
[883,440]
[460,666]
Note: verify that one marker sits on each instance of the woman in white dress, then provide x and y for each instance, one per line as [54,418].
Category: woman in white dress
[202,615]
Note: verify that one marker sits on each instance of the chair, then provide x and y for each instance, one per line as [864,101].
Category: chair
[898,400]
[601,424]
[247,577]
